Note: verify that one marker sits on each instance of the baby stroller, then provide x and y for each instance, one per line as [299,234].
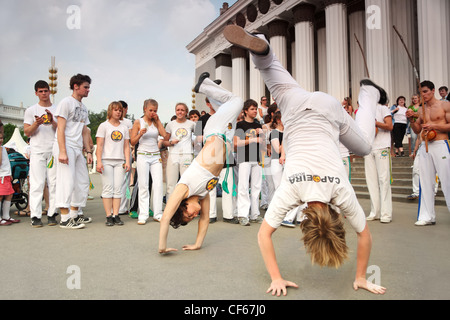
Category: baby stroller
[19,171]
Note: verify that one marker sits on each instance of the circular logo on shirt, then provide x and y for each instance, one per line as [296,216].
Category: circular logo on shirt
[316,178]
[212,183]
[47,119]
[116,136]
[181,133]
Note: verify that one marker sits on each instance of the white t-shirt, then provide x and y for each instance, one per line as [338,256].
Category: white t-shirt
[198,180]
[383,137]
[5,166]
[127,122]
[76,115]
[183,133]
[115,137]
[149,141]
[42,139]
[400,115]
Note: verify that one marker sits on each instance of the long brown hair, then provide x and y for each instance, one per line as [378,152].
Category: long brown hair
[324,236]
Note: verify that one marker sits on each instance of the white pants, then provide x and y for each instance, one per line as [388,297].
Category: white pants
[267,188]
[416,177]
[228,201]
[144,165]
[378,178]
[72,179]
[39,175]
[436,161]
[249,171]
[124,203]
[176,165]
[112,179]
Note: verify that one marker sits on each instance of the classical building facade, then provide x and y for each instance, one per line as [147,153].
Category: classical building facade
[12,114]
[326,45]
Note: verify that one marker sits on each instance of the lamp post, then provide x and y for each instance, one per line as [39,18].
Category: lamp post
[53,76]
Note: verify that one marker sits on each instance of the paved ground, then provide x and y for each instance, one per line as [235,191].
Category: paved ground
[123,263]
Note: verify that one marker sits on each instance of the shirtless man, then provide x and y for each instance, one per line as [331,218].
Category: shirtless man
[437,159]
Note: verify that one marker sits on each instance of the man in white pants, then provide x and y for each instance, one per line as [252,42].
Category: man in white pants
[40,125]
[72,177]
[435,160]
[378,169]
[314,123]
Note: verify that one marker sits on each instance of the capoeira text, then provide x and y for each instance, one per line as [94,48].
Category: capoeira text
[303,177]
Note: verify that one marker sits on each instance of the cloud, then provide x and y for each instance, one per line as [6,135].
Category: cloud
[133,50]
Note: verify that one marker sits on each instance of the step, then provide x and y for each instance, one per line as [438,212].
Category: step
[439,200]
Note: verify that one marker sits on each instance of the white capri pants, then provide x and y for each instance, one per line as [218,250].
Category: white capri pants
[436,161]
[144,165]
[249,203]
[112,179]
[72,180]
[176,166]
[39,174]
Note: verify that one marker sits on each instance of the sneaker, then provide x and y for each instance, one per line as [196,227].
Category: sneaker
[385,220]
[421,223]
[372,218]
[232,220]
[142,222]
[288,224]
[71,224]
[36,222]
[243,221]
[258,219]
[109,221]
[202,77]
[412,197]
[212,220]
[51,221]
[157,219]
[134,215]
[241,38]
[82,219]
[118,221]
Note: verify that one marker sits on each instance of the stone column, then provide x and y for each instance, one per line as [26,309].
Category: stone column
[304,46]
[404,82]
[357,26]
[239,71]
[434,41]
[224,70]
[257,86]
[278,39]
[379,43]
[337,48]
[322,77]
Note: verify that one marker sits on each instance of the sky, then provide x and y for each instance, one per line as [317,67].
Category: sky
[132,49]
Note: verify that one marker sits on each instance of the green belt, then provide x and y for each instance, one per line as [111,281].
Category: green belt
[225,180]
[149,153]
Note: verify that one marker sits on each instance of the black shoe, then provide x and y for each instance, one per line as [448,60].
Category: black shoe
[383,95]
[117,221]
[212,220]
[109,221]
[241,38]
[71,224]
[234,220]
[218,82]
[36,222]
[202,77]
[51,221]
[82,219]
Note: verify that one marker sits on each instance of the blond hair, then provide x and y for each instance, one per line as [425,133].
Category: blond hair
[324,236]
[114,106]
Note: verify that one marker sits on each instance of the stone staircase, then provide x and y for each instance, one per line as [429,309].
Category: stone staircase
[401,186]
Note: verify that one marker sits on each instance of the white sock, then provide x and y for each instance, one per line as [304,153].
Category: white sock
[5,209]
[73,213]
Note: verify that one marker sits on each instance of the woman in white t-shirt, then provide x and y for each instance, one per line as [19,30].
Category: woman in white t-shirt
[113,160]
[179,141]
[146,131]
[400,122]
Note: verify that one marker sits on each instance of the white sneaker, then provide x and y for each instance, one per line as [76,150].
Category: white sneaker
[424,223]
[385,220]
[371,218]
[142,222]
